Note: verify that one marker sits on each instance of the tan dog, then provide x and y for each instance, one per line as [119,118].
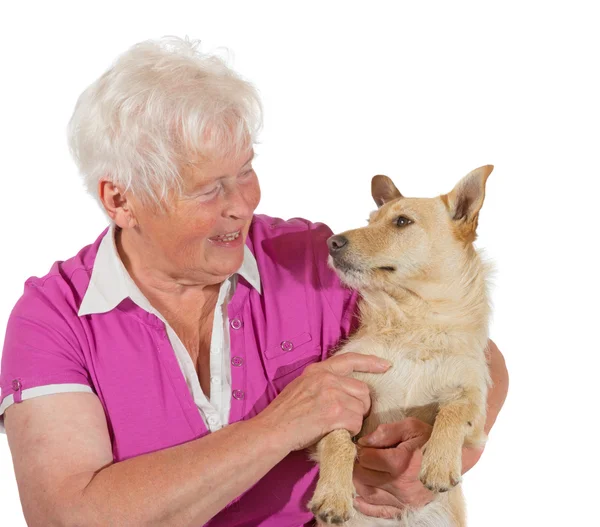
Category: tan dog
[424,307]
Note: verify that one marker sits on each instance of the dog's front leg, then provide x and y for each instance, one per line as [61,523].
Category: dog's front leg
[462,417]
[333,497]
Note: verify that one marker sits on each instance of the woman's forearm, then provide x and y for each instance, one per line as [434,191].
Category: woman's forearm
[495,401]
[184,485]
[499,389]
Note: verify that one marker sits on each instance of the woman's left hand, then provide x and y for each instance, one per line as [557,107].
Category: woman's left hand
[387,479]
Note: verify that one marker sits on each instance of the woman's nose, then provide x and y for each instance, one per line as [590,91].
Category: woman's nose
[238,204]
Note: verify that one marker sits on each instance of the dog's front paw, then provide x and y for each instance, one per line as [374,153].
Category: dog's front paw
[440,470]
[332,507]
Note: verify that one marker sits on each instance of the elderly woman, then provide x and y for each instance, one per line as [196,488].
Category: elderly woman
[186,348]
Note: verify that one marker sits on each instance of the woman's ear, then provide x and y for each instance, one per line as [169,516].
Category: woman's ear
[118,205]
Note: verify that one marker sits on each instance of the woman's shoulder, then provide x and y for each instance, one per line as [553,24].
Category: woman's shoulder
[62,287]
[293,254]
[296,247]
[294,233]
[263,224]
[293,243]
[43,351]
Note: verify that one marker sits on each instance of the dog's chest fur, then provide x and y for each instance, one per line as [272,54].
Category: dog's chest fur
[429,368]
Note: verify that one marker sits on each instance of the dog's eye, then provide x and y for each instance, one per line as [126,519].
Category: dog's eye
[402,221]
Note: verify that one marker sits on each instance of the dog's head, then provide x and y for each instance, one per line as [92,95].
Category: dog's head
[409,242]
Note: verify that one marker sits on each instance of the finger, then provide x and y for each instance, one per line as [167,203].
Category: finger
[389,460]
[357,389]
[349,414]
[372,478]
[346,363]
[391,434]
[376,510]
[470,456]
[376,496]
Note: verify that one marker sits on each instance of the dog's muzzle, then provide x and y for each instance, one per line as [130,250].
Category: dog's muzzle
[337,244]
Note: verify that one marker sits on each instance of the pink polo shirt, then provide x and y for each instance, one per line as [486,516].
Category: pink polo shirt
[124,356]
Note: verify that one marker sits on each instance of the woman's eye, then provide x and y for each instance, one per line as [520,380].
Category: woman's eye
[246,174]
[402,221]
[210,192]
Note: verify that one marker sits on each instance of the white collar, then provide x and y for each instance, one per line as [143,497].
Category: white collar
[110,282]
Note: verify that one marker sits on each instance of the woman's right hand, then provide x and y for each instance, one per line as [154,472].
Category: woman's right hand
[322,399]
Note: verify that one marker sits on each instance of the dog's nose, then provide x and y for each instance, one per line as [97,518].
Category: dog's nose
[336,243]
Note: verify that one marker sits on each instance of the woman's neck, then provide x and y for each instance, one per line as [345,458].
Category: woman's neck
[173,297]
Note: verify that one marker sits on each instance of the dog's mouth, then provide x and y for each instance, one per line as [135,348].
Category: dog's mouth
[346,267]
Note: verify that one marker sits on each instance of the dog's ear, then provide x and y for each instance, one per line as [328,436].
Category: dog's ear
[383,190]
[466,199]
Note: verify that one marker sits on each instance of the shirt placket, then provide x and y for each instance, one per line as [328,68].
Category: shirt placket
[238,326]
[219,376]
[209,414]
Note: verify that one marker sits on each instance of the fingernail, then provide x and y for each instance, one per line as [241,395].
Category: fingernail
[384,364]
[366,440]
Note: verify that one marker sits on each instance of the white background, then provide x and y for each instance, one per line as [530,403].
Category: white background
[421,91]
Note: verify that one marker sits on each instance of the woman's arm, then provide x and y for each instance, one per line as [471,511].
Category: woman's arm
[67,477]
[495,401]
[499,390]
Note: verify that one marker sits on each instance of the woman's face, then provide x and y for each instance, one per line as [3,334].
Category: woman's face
[219,198]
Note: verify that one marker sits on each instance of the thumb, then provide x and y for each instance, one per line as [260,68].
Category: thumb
[385,511]
[380,438]
[389,435]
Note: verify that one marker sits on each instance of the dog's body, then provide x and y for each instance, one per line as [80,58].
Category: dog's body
[425,308]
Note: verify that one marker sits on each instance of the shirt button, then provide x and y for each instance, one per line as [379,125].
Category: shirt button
[212,420]
[286,345]
[215,380]
[16,385]
[237,361]
[236,323]
[238,394]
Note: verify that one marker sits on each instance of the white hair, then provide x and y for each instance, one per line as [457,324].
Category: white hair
[159,104]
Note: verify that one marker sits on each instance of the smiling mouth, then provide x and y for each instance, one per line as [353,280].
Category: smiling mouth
[227,237]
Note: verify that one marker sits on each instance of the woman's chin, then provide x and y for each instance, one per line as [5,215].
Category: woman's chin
[228,263]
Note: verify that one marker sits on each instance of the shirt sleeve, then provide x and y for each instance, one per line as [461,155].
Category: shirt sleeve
[41,353]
